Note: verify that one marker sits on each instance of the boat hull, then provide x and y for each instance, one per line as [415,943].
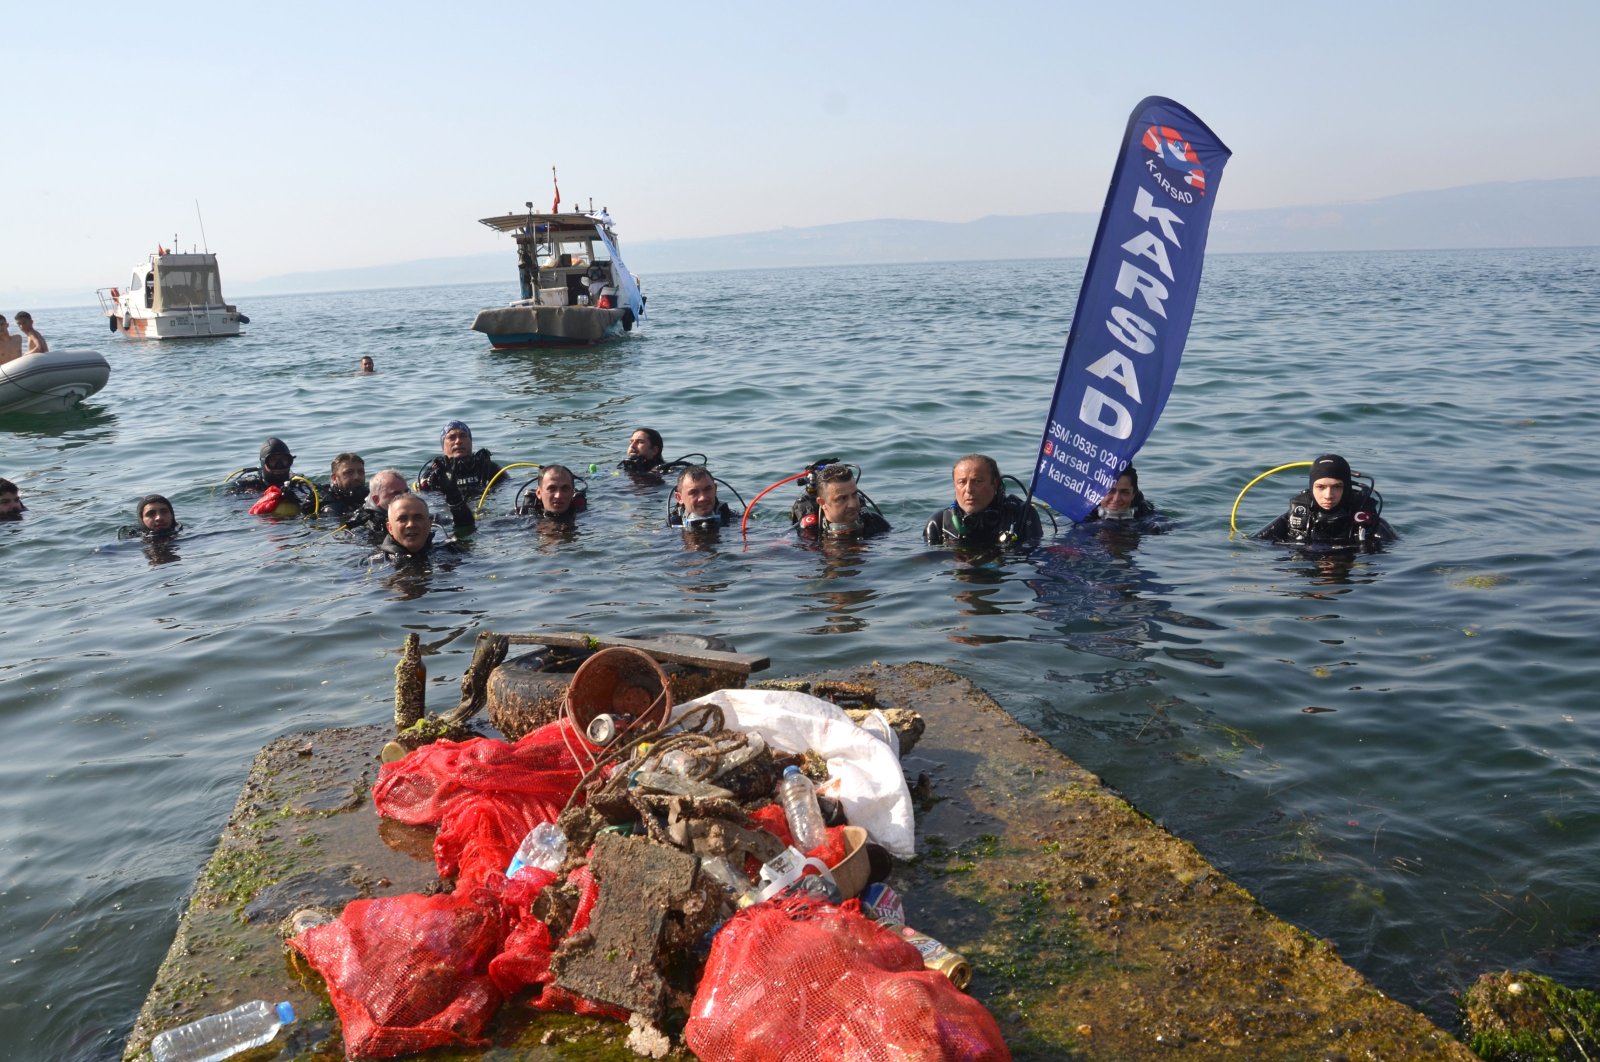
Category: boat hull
[51,382]
[181,324]
[514,327]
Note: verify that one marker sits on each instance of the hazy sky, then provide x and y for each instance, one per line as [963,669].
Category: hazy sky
[319,136]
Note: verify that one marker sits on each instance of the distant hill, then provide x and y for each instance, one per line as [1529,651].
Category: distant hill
[1556,213]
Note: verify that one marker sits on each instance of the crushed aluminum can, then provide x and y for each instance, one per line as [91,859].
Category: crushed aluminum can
[882,904]
[602,729]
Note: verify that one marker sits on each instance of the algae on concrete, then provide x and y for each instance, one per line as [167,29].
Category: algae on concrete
[1094,934]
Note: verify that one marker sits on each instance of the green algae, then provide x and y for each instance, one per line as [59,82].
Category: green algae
[1517,1016]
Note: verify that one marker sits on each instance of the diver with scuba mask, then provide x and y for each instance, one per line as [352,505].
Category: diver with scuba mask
[1333,511]
[1124,502]
[694,502]
[294,495]
[982,515]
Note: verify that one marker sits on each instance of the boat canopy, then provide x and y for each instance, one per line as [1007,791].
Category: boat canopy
[179,281]
[180,285]
[529,224]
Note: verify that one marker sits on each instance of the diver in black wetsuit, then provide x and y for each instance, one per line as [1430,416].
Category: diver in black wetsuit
[836,510]
[1124,503]
[694,502]
[409,539]
[370,519]
[11,507]
[346,489]
[557,496]
[157,521]
[470,471]
[1333,512]
[644,454]
[276,470]
[982,515]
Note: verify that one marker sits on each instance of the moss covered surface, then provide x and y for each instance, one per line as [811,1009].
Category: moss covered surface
[1516,1016]
[1093,934]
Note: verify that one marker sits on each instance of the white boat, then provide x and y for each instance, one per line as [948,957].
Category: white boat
[51,381]
[172,296]
[575,288]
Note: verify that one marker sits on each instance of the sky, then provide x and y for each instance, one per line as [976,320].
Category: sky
[340,134]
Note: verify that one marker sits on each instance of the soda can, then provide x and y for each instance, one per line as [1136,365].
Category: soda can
[881,903]
[602,729]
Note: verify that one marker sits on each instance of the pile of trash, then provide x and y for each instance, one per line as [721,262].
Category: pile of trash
[723,863]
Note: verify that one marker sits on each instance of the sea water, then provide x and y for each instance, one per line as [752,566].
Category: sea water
[1397,752]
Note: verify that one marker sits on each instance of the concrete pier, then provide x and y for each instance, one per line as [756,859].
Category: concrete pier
[1093,933]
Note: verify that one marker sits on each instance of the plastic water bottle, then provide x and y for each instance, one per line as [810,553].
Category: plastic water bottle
[222,1035]
[799,799]
[545,847]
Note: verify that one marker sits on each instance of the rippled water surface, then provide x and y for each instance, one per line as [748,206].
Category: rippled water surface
[1396,753]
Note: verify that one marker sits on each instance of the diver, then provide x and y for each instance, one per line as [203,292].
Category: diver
[346,489]
[831,506]
[373,514]
[982,515]
[644,453]
[694,502]
[557,496]
[11,507]
[157,521]
[1124,502]
[409,537]
[275,481]
[1333,511]
[471,472]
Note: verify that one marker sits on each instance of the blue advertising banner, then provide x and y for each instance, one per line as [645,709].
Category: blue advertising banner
[1133,313]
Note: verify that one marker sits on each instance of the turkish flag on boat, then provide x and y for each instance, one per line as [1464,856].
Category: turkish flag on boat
[555,208]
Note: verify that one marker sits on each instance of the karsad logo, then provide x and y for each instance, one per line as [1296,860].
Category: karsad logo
[1176,155]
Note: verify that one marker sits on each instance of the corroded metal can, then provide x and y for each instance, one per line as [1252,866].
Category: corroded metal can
[935,956]
[602,729]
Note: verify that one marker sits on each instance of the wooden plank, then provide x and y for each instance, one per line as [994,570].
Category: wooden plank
[707,658]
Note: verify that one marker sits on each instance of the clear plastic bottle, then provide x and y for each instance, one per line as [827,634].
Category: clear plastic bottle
[545,847]
[222,1035]
[799,799]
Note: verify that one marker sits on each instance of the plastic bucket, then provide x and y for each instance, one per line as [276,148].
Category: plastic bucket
[620,681]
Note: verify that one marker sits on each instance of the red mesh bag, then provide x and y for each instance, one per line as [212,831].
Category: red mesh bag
[419,788]
[407,973]
[483,795]
[524,959]
[798,980]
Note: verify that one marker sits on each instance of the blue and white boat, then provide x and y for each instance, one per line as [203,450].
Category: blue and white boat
[575,288]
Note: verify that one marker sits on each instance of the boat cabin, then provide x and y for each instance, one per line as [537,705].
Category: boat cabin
[172,295]
[178,281]
[561,258]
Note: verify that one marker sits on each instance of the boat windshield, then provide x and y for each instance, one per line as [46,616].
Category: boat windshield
[565,253]
[188,286]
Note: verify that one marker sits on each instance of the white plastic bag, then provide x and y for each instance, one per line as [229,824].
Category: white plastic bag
[872,786]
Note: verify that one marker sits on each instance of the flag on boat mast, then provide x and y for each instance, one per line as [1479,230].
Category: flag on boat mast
[555,208]
[1133,311]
